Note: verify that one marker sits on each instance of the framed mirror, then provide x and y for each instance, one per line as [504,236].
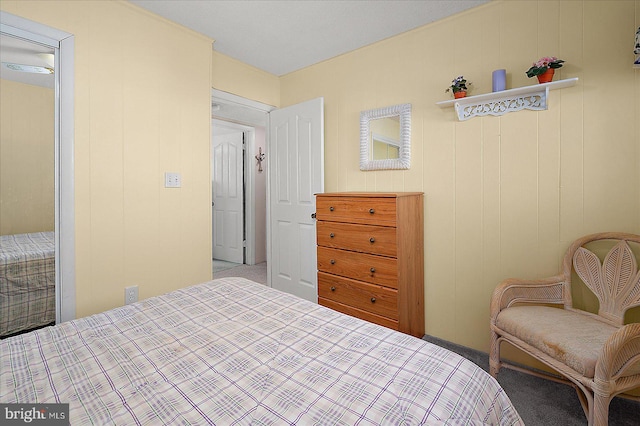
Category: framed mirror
[385,138]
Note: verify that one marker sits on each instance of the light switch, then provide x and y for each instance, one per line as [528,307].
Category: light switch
[172,180]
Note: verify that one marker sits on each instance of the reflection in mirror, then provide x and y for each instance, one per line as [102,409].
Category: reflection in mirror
[27,186]
[385,138]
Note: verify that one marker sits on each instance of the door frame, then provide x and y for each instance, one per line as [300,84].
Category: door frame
[259,119]
[64,222]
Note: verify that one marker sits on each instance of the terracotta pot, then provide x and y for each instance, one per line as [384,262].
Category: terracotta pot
[546,76]
[460,94]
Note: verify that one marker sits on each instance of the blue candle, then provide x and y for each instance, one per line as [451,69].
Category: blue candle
[499,78]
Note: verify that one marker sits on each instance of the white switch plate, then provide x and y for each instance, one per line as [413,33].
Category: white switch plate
[172,180]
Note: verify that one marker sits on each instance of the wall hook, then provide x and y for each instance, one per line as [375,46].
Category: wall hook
[260,158]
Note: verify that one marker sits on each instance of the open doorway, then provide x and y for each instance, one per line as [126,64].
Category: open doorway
[61,45]
[239,187]
[293,173]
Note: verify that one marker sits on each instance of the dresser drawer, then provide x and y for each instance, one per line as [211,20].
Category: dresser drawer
[359,266]
[359,313]
[368,211]
[368,297]
[363,238]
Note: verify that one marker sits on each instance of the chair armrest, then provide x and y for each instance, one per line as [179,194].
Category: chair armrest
[514,290]
[620,356]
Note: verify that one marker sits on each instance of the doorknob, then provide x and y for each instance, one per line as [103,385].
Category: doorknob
[313,215]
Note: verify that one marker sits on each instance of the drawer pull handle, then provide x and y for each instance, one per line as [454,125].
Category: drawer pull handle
[372,240]
[331,208]
[333,288]
[333,261]
[372,270]
[373,300]
[372,211]
[331,235]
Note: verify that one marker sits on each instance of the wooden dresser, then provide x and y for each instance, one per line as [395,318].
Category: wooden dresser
[371,257]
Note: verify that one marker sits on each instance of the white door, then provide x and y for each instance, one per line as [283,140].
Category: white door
[227,197]
[296,172]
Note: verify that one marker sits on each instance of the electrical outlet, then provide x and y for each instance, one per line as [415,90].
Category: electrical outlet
[130,294]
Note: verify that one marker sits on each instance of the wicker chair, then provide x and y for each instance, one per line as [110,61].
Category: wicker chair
[598,354]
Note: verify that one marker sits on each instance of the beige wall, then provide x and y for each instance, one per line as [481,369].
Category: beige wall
[504,196]
[233,76]
[27,142]
[142,108]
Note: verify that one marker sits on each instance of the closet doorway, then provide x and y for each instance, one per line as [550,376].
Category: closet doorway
[239,181]
[56,49]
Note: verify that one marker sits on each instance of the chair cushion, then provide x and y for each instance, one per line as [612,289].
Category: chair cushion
[573,339]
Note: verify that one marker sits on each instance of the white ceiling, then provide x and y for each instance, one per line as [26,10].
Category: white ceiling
[277,36]
[281,36]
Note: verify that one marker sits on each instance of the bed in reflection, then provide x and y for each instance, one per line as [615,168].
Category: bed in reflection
[27,281]
[232,351]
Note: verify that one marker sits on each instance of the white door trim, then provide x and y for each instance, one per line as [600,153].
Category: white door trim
[230,97]
[64,45]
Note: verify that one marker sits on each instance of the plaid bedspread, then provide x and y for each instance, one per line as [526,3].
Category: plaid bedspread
[27,281]
[234,352]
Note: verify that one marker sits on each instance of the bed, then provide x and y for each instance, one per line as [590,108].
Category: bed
[27,281]
[235,352]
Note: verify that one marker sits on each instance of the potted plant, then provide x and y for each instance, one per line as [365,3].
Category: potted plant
[459,87]
[544,68]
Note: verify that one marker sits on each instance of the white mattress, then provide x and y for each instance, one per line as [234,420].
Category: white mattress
[234,352]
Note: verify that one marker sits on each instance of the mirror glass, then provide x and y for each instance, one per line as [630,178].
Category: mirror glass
[385,138]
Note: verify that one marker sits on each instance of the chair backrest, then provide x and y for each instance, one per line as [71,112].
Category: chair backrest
[615,281]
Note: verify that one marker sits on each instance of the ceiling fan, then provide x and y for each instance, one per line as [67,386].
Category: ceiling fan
[35,69]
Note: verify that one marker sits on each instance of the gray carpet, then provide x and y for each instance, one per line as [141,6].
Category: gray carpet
[221,265]
[257,273]
[543,402]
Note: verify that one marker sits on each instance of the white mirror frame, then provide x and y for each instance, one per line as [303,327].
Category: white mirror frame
[402,163]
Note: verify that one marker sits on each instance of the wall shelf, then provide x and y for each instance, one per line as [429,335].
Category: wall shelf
[499,103]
